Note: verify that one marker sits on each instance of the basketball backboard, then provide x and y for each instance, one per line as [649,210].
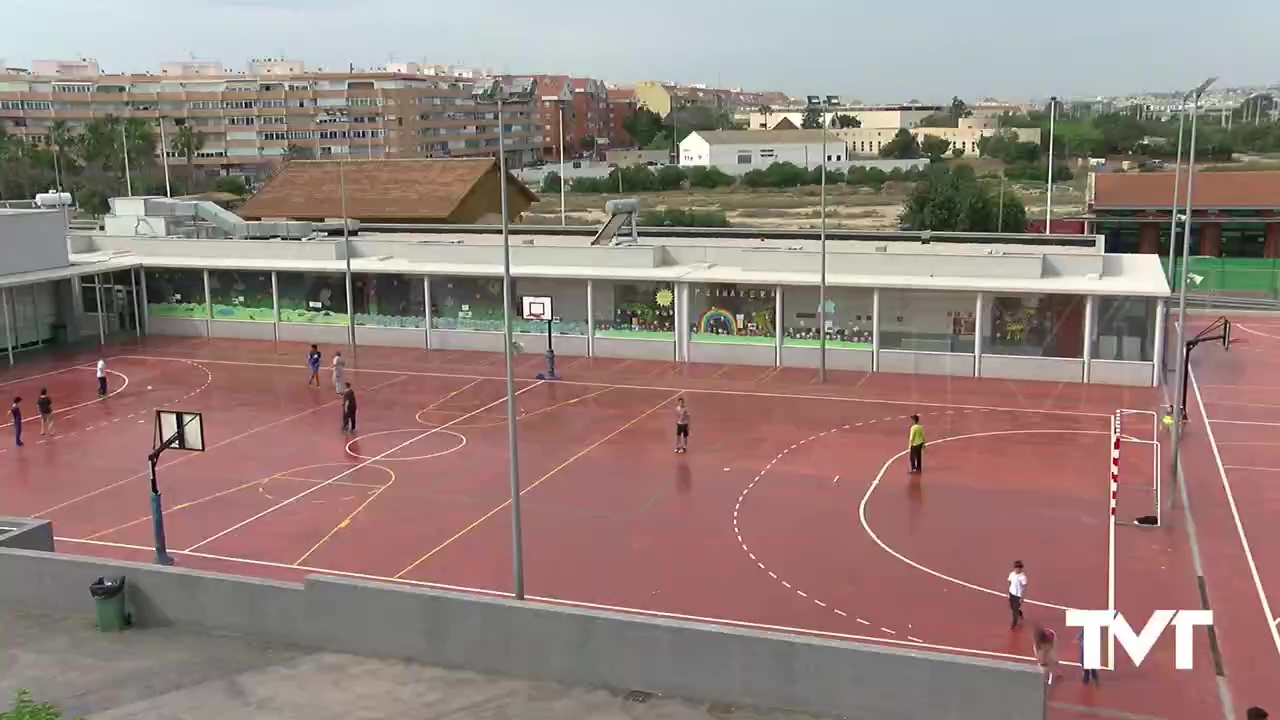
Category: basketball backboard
[536,307]
[179,430]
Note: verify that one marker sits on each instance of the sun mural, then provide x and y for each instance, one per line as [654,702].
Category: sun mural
[664,298]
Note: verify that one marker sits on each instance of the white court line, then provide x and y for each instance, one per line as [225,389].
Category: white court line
[748,393]
[1255,332]
[866,525]
[45,513]
[69,408]
[354,468]
[1235,515]
[1244,404]
[1251,467]
[1244,422]
[577,603]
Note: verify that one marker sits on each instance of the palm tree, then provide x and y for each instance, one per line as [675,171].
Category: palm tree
[62,141]
[187,143]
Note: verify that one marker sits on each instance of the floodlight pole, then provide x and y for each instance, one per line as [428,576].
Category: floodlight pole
[1180,412]
[513,455]
[1048,207]
[822,273]
[1173,225]
[560,144]
[346,253]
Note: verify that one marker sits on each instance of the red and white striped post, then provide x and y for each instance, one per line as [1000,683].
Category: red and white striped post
[1115,462]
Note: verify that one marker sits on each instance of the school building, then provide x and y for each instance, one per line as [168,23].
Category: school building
[1041,307]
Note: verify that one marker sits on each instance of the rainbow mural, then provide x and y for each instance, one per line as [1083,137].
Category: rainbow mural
[718,321]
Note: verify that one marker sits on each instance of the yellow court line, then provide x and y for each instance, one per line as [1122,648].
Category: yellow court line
[539,481]
[343,483]
[243,486]
[503,421]
[347,520]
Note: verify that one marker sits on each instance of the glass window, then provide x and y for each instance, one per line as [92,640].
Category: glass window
[848,316]
[733,313]
[461,303]
[641,310]
[1126,329]
[388,300]
[568,304]
[312,298]
[927,321]
[241,295]
[176,293]
[1036,325]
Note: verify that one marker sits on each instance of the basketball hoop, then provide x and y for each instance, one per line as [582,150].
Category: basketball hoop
[538,309]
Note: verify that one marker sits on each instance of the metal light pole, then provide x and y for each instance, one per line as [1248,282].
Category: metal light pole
[560,144]
[1180,410]
[164,159]
[497,92]
[1048,208]
[346,252]
[1173,224]
[822,237]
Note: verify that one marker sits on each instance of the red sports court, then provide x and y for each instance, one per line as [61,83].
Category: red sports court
[792,510]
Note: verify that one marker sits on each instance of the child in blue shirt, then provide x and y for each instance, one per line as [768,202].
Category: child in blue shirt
[313,362]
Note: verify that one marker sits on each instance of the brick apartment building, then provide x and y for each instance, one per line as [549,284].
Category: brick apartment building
[249,121]
[622,103]
[585,105]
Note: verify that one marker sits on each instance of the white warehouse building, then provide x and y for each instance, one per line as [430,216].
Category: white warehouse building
[727,149]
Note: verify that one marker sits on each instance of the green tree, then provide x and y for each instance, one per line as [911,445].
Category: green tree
[934,147]
[845,121]
[26,708]
[297,152]
[785,175]
[938,119]
[958,110]
[709,178]
[550,183]
[903,146]
[643,126]
[957,153]
[951,198]
[231,184]
[812,118]
[187,143]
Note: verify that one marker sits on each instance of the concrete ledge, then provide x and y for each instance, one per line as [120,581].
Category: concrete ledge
[242,329]
[186,327]
[1121,372]
[26,534]
[317,333]
[837,358]
[926,363]
[731,353]
[634,349]
[545,641]
[1020,367]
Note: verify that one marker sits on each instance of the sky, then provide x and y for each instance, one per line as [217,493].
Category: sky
[870,51]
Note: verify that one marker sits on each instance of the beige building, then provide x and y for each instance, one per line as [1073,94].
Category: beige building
[871,116]
[865,141]
[660,97]
[249,121]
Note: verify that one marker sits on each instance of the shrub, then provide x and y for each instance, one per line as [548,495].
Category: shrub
[550,183]
[671,177]
[681,217]
[25,708]
[709,178]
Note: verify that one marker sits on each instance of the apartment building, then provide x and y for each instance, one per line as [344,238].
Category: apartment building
[582,104]
[251,120]
[871,116]
[622,103]
[660,97]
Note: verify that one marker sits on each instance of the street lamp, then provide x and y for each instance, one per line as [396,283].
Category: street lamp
[560,145]
[1048,208]
[1180,411]
[825,103]
[496,92]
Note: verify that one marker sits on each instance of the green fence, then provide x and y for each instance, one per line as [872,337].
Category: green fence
[1254,278]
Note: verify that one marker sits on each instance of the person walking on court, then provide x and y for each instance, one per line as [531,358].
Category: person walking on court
[313,363]
[102,378]
[16,413]
[348,409]
[915,444]
[1256,713]
[1090,674]
[339,370]
[682,426]
[44,404]
[1045,647]
[1017,587]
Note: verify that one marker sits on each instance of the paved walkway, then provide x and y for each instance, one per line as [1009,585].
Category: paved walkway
[162,674]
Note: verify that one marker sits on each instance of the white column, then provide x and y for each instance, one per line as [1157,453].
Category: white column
[275,304]
[1158,371]
[208,308]
[142,307]
[979,326]
[591,316]
[137,311]
[1090,311]
[97,294]
[875,330]
[682,322]
[8,328]
[426,305]
[777,327]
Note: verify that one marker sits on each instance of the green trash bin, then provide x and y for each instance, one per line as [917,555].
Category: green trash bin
[109,604]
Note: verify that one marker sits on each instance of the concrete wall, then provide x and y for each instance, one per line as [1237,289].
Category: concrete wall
[32,240]
[734,353]
[544,641]
[189,327]
[393,337]
[837,358]
[1020,367]
[242,329]
[926,363]
[26,534]
[1118,372]
[634,349]
[308,333]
